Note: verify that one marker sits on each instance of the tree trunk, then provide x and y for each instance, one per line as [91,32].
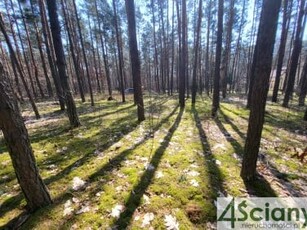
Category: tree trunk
[295,55]
[17,64]
[24,55]
[31,53]
[303,91]
[84,54]
[216,89]
[59,52]
[104,55]
[135,61]
[41,53]
[262,63]
[226,57]
[207,72]
[51,59]
[196,50]
[282,47]
[94,55]
[17,140]
[73,54]
[183,55]
[119,50]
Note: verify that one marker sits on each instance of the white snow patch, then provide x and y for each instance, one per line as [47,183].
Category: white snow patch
[116,211]
[194,183]
[78,183]
[68,210]
[148,217]
[171,222]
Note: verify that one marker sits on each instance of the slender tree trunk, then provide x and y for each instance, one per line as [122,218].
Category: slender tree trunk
[84,54]
[59,51]
[42,57]
[303,91]
[207,72]
[173,49]
[216,89]
[183,55]
[251,57]
[120,59]
[135,61]
[282,47]
[104,55]
[16,63]
[262,63]
[226,57]
[295,55]
[94,55]
[24,55]
[196,50]
[31,53]
[73,54]
[49,50]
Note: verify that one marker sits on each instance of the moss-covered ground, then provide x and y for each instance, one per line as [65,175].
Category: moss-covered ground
[174,164]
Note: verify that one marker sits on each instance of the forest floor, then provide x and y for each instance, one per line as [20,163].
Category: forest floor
[166,172]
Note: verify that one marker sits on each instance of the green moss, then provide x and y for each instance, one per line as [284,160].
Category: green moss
[176,144]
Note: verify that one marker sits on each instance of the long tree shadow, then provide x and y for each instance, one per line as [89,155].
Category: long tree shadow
[216,178]
[138,190]
[285,177]
[15,201]
[116,161]
[233,126]
[260,187]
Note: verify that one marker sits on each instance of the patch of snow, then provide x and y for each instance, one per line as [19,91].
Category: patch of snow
[150,167]
[194,166]
[146,199]
[171,222]
[194,183]
[219,146]
[78,183]
[159,174]
[218,162]
[75,200]
[116,211]
[148,217]
[68,210]
[193,173]
[83,209]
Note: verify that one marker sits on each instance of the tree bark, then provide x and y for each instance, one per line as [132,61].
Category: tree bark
[216,89]
[303,91]
[119,50]
[17,140]
[282,47]
[297,47]
[17,64]
[262,63]
[73,54]
[41,53]
[196,51]
[135,61]
[207,72]
[59,52]
[84,54]
[41,91]
[226,57]
[50,54]
[183,55]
